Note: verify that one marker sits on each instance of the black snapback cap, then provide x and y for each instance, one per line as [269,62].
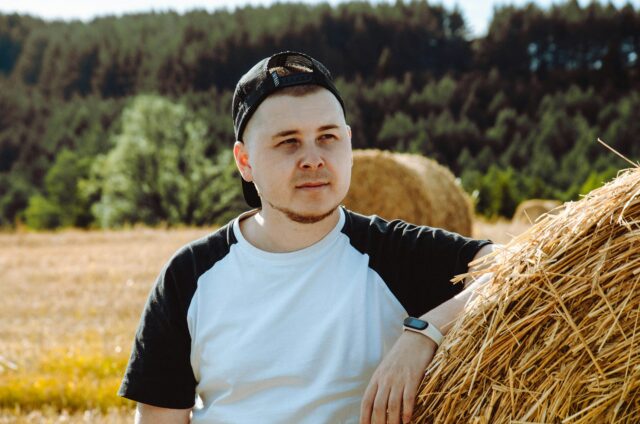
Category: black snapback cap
[261,81]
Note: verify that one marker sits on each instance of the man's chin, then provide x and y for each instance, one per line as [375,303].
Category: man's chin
[304,217]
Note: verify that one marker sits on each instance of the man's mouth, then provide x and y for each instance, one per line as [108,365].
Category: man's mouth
[313,185]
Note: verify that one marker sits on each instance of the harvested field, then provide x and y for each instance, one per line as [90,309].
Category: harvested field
[499,231]
[69,308]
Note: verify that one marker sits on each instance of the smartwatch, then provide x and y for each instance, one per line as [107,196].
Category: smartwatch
[424,328]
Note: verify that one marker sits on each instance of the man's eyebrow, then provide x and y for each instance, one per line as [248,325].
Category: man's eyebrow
[291,132]
[285,133]
[327,127]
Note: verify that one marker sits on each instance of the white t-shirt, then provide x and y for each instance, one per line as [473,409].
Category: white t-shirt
[287,337]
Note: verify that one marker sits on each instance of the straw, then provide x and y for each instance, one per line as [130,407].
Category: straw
[554,337]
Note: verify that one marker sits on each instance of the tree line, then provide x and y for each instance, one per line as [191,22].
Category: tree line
[127,119]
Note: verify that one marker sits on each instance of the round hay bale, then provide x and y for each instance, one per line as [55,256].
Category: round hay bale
[408,187]
[555,335]
[530,210]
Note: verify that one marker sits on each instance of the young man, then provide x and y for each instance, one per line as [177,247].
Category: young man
[294,311]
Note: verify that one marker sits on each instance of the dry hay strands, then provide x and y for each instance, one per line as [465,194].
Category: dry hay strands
[409,187]
[555,336]
[530,210]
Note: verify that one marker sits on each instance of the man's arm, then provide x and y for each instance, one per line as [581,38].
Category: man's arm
[148,414]
[390,396]
[484,250]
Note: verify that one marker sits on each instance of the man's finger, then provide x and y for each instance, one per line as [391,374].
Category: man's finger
[379,415]
[394,405]
[367,403]
[408,401]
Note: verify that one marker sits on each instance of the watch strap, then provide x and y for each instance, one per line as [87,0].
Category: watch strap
[431,331]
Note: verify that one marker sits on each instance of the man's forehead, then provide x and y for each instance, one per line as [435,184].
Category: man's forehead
[312,112]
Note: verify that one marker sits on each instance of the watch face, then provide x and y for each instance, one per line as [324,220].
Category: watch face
[416,323]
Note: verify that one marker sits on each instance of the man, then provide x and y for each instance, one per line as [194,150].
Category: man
[294,311]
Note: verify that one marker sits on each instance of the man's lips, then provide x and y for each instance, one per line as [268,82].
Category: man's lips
[315,184]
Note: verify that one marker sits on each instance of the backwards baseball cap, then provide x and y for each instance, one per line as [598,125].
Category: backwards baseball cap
[263,80]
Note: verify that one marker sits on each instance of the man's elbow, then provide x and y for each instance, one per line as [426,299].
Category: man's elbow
[149,414]
[483,251]
[476,267]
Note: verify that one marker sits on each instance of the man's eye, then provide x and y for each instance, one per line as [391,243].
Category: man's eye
[327,136]
[288,141]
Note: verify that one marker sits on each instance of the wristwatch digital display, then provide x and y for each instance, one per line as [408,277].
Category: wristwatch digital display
[424,328]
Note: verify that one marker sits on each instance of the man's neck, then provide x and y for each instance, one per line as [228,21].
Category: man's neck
[272,231]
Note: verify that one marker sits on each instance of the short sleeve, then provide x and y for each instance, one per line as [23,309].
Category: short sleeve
[159,371]
[416,262]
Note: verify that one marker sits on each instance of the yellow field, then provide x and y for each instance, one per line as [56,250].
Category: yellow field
[69,306]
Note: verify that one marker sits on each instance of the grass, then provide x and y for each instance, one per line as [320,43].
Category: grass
[48,415]
[69,307]
[66,379]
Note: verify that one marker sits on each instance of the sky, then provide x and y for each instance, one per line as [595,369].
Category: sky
[477,13]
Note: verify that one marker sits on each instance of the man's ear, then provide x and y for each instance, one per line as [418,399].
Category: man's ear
[241,156]
[351,149]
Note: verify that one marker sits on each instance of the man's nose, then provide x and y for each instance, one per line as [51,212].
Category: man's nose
[312,159]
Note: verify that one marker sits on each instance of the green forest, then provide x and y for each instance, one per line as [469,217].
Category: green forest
[126,120]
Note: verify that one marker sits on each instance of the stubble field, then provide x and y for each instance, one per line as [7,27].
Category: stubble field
[69,306]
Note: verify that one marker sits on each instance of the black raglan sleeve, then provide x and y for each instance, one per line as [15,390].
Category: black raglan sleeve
[159,372]
[416,262]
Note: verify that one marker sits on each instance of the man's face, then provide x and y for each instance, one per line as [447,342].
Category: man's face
[297,151]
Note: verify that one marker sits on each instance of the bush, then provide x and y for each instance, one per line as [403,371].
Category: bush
[42,214]
[158,171]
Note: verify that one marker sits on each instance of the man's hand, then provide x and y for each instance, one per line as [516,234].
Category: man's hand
[391,394]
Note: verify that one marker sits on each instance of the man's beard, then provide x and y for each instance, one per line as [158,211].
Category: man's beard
[303,219]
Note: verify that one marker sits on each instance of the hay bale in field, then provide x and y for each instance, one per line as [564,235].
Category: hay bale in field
[409,187]
[530,210]
[555,336]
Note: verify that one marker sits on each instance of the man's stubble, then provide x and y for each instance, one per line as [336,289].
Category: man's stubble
[304,218]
